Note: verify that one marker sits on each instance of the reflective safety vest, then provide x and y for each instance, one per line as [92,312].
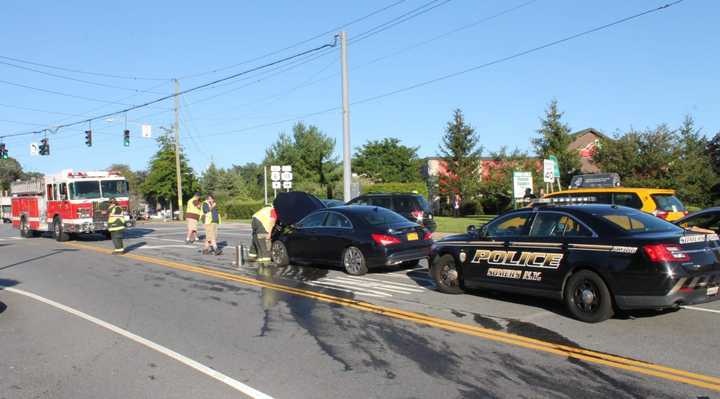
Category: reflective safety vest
[116,219]
[266,216]
[193,211]
[208,216]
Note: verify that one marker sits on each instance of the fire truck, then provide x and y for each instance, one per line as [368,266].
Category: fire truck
[67,203]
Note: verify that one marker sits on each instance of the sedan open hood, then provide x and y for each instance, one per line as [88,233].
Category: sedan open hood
[295,205]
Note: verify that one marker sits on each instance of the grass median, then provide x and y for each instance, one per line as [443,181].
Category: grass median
[448,224]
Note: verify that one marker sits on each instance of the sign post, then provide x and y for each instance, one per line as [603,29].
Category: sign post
[521,182]
[281,177]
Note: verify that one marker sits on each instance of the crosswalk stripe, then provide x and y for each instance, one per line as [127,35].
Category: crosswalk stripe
[400,285]
[349,290]
[374,286]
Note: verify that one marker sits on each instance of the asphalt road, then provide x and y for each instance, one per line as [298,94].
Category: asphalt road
[166,321]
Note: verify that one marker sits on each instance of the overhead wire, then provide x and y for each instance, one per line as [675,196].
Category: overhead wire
[75,79]
[317,36]
[134,107]
[106,75]
[414,13]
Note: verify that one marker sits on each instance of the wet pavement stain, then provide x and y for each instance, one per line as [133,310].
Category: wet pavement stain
[457,313]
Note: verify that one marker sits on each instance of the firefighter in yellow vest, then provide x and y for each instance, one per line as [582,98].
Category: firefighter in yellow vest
[116,226]
[211,219]
[192,214]
[263,222]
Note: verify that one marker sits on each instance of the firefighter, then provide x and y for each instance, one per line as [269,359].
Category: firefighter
[263,222]
[192,214]
[116,226]
[211,219]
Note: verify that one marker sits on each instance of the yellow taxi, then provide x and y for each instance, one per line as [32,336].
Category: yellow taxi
[660,202]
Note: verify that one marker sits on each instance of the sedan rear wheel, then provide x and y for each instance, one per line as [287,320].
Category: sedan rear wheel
[354,261]
[445,272]
[279,254]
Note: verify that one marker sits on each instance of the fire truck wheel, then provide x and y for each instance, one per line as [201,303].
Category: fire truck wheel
[58,232]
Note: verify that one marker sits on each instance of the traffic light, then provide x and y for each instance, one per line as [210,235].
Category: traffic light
[88,138]
[44,147]
[3,151]
[126,138]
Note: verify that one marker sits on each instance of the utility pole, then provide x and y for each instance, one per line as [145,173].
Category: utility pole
[178,174]
[347,172]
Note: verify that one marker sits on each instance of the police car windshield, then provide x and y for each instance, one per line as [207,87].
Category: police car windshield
[633,221]
[85,189]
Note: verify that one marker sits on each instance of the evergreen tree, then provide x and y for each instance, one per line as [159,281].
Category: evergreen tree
[461,150]
[692,170]
[555,140]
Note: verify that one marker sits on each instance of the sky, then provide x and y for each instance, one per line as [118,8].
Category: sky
[651,70]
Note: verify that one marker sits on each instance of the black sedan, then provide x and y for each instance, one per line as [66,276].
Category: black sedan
[595,258]
[707,219]
[356,237]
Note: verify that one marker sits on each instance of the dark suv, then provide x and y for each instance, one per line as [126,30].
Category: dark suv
[412,206]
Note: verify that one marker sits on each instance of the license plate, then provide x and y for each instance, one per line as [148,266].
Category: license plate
[412,236]
[711,291]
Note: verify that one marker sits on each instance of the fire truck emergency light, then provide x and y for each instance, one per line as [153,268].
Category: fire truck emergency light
[126,138]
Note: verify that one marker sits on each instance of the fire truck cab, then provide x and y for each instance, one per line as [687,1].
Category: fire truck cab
[67,203]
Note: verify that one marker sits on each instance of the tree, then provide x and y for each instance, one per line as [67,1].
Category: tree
[496,186]
[713,150]
[10,170]
[555,140]
[692,171]
[251,177]
[160,184]
[387,160]
[461,150]
[310,153]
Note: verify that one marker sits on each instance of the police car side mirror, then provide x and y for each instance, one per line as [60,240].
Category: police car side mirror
[471,229]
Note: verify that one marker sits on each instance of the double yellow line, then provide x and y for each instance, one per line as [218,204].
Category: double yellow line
[655,370]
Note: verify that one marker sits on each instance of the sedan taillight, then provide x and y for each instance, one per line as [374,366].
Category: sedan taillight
[427,236]
[385,240]
[665,253]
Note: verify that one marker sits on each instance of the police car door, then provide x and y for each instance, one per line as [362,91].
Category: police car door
[486,260]
[544,251]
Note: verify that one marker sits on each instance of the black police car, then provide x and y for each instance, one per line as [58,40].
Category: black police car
[356,237]
[596,258]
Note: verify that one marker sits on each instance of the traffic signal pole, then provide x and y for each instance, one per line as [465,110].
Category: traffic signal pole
[178,174]
[347,172]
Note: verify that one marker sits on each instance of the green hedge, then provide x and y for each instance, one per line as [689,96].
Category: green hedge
[240,209]
[419,187]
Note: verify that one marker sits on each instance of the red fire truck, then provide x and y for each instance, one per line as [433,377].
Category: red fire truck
[67,203]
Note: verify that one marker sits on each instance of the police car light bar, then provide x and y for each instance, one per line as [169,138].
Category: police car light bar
[565,200]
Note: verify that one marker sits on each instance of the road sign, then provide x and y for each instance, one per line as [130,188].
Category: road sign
[556,169]
[286,168]
[548,170]
[286,176]
[276,185]
[275,168]
[146,131]
[275,176]
[34,151]
[521,182]
[287,184]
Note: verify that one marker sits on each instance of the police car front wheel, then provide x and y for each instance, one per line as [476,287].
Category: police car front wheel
[587,297]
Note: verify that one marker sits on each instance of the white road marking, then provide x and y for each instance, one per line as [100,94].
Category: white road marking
[342,288]
[380,283]
[165,246]
[413,287]
[700,309]
[235,384]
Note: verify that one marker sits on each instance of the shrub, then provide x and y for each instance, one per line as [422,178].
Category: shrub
[240,209]
[419,187]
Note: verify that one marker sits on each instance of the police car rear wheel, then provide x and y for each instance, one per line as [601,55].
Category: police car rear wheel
[446,275]
[588,298]
[279,254]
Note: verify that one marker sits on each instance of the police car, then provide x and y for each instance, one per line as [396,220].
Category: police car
[595,258]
